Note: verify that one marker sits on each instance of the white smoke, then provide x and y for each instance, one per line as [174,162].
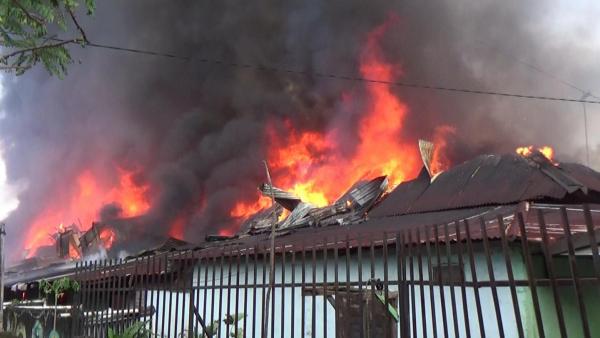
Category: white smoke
[8,192]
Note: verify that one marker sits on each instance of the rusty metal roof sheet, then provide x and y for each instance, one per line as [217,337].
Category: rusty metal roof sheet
[493,180]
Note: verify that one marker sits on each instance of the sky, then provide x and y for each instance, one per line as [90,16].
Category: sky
[197,126]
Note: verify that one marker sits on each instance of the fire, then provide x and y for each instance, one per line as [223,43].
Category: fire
[107,236]
[243,209]
[547,151]
[80,203]
[317,166]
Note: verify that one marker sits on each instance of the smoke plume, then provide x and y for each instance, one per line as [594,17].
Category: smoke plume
[194,131]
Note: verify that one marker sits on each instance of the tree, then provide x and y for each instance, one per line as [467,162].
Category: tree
[28,33]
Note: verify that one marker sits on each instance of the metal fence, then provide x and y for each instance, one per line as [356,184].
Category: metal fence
[532,273]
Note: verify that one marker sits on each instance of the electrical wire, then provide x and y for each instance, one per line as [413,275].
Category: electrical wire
[334,76]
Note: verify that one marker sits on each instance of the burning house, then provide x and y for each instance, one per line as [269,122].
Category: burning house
[498,245]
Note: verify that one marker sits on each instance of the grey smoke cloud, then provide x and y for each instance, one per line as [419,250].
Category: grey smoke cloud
[196,129]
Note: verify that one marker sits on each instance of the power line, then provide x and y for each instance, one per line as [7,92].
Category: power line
[333,76]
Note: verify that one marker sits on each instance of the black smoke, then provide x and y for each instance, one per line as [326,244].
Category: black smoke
[197,128]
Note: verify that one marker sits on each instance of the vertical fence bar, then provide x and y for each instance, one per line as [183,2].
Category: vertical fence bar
[451,284]
[145,282]
[229,273]
[439,280]
[191,267]
[473,269]
[85,296]
[372,285]
[303,287]
[205,302]
[117,295]
[530,275]
[213,290]
[220,316]
[430,281]
[273,288]
[110,294]
[511,278]
[197,327]
[550,271]
[463,287]
[325,248]
[591,231]
[386,294]
[75,312]
[254,291]
[105,273]
[178,286]
[163,285]
[181,290]
[490,267]
[346,320]
[400,277]
[170,288]
[293,308]
[246,288]
[411,276]
[132,290]
[421,284]
[194,291]
[95,296]
[314,291]
[237,292]
[151,284]
[360,288]
[264,292]
[336,284]
[574,272]
[282,309]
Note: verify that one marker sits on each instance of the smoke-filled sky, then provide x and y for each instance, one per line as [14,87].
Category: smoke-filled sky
[194,132]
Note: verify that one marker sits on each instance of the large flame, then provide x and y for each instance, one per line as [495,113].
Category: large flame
[315,165]
[79,205]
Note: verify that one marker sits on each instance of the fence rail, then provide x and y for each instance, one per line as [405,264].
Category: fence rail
[531,273]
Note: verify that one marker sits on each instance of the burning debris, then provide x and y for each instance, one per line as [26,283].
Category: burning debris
[351,207]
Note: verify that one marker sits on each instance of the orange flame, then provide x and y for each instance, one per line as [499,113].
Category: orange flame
[547,151]
[318,168]
[82,201]
[242,209]
[107,237]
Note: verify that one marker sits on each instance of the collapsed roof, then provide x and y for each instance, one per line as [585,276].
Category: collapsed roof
[351,207]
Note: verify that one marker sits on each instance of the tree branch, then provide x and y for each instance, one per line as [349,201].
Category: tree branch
[83,36]
[36,48]
[32,17]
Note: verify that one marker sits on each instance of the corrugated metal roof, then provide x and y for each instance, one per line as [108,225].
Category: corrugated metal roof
[492,180]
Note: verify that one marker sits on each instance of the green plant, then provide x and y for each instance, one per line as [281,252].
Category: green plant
[58,287]
[213,328]
[27,33]
[137,330]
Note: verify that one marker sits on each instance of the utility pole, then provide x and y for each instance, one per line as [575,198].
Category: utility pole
[2,234]
[272,260]
[585,125]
